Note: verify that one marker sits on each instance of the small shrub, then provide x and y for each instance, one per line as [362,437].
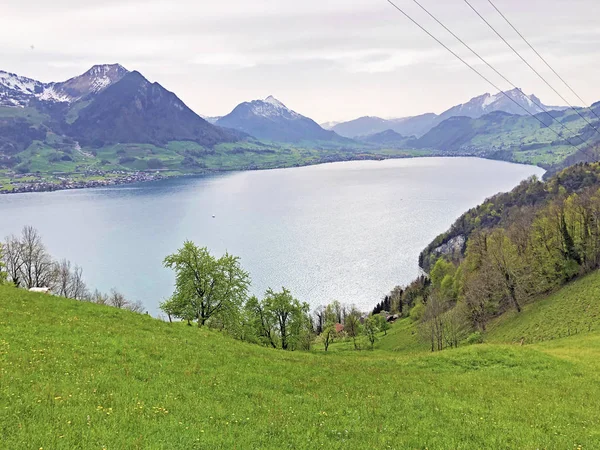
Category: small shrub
[474,338]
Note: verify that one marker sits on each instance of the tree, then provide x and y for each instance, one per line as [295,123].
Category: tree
[3,274]
[370,329]
[328,334]
[262,322]
[117,299]
[280,320]
[396,299]
[291,317]
[37,268]
[204,285]
[352,326]
[62,285]
[382,323]
[432,324]
[136,307]
[98,297]
[12,259]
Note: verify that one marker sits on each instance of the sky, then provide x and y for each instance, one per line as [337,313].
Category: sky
[331,60]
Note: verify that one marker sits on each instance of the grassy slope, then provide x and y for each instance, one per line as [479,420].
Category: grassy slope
[76,375]
[573,309]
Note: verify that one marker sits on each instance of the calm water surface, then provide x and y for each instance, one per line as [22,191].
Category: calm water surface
[346,231]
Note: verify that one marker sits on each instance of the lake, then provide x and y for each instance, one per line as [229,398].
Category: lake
[345,231]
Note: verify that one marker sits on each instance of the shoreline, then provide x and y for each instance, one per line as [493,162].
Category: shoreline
[124,177]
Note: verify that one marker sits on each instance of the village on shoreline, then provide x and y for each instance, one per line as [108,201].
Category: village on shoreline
[54,182]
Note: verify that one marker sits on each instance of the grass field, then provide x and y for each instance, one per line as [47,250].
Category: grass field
[78,375]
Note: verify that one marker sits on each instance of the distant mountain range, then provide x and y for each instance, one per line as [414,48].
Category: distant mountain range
[105,105]
[420,125]
[271,120]
[108,108]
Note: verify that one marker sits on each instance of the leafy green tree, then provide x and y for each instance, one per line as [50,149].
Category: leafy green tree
[280,321]
[382,323]
[262,322]
[370,329]
[205,286]
[291,316]
[328,334]
[352,326]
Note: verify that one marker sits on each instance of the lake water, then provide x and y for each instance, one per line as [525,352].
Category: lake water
[345,231]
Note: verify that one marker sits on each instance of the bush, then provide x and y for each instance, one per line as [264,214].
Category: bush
[474,338]
[416,313]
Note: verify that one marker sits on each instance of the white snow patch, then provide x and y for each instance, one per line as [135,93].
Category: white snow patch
[50,95]
[273,101]
[272,108]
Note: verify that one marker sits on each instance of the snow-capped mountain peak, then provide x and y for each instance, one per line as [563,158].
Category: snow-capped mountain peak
[273,101]
[272,108]
[16,90]
[269,119]
[98,78]
[514,102]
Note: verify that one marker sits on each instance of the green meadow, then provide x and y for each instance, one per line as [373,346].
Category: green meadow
[81,375]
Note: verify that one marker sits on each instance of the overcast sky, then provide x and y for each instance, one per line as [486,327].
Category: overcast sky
[327,59]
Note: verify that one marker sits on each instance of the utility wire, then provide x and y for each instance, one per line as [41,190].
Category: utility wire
[530,66]
[544,60]
[539,105]
[478,72]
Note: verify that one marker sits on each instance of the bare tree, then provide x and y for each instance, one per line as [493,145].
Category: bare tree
[62,275]
[13,259]
[98,297]
[432,323]
[117,299]
[136,307]
[37,269]
[79,289]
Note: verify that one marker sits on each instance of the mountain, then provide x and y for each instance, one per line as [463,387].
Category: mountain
[210,119]
[415,125]
[134,110]
[368,125]
[420,125]
[271,120]
[363,126]
[16,90]
[487,103]
[387,138]
[329,125]
[105,105]
[93,81]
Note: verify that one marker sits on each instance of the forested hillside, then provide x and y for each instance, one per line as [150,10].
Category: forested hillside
[505,254]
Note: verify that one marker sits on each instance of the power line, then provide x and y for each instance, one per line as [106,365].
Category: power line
[530,66]
[543,59]
[539,105]
[478,72]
